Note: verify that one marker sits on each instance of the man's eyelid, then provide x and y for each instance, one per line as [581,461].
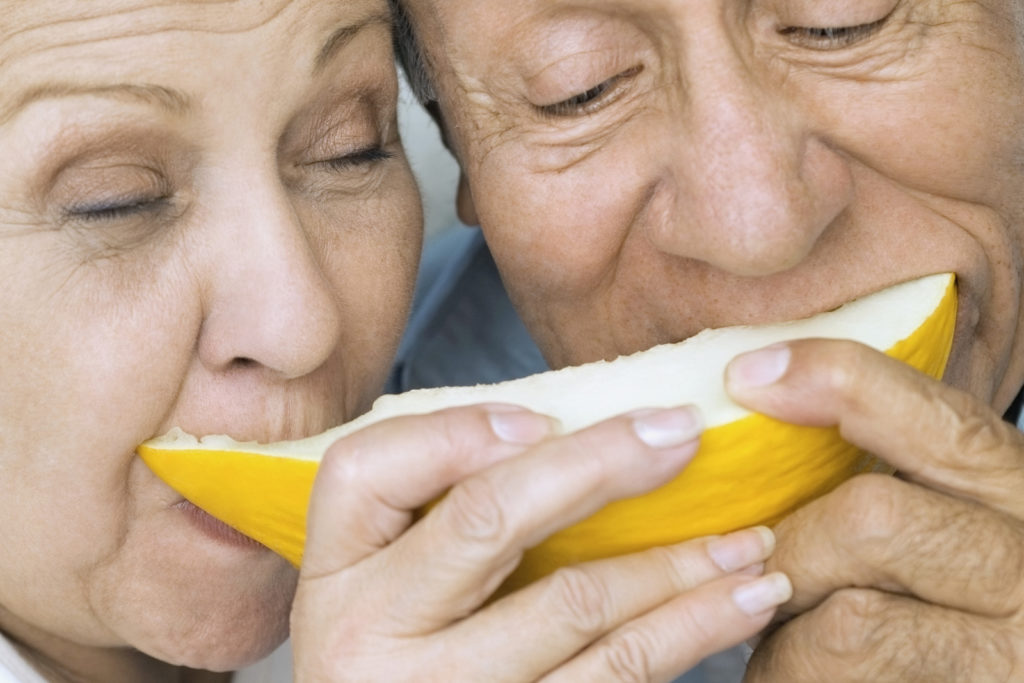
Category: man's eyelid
[575,71]
[592,98]
[839,34]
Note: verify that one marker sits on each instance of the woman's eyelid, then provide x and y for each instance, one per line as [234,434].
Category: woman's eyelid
[345,139]
[102,189]
[115,209]
[366,156]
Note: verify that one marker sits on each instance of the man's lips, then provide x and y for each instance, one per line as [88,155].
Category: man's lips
[216,529]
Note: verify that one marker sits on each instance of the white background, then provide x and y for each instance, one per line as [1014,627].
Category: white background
[435,169]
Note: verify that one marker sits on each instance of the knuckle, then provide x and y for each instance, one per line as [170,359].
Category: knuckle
[885,521]
[843,371]
[977,430]
[850,623]
[682,565]
[774,659]
[343,466]
[462,429]
[986,554]
[474,511]
[582,600]
[997,571]
[600,445]
[865,635]
[990,652]
[699,629]
[872,509]
[627,657]
[890,639]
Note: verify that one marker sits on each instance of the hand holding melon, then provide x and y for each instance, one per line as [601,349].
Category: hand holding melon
[909,578]
[750,469]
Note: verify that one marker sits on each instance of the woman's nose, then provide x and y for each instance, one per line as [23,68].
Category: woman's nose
[268,299]
[749,187]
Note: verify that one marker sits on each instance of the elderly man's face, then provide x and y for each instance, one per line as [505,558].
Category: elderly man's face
[644,169]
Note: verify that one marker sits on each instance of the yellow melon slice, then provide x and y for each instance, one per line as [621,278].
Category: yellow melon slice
[749,470]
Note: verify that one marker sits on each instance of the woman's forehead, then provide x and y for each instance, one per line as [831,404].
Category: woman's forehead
[75,20]
[49,30]
[61,44]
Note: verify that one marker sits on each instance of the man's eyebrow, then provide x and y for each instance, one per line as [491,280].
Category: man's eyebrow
[166,98]
[341,37]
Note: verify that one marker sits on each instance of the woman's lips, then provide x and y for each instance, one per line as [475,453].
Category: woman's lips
[216,529]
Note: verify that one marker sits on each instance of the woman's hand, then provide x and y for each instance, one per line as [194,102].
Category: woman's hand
[383,598]
[916,578]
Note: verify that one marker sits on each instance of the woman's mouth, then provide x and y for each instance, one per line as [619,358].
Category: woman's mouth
[216,529]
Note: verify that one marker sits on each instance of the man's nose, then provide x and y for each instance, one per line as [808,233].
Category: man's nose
[269,301]
[750,187]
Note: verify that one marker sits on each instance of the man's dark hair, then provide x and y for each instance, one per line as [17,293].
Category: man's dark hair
[410,56]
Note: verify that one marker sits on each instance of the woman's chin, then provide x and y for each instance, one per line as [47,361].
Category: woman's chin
[190,591]
[224,633]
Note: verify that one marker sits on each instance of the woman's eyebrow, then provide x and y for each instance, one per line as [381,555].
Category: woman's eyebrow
[344,35]
[170,99]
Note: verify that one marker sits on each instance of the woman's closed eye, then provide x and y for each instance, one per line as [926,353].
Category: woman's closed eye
[116,208]
[362,158]
[592,99]
[104,191]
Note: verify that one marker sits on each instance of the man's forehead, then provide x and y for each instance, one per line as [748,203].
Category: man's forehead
[472,26]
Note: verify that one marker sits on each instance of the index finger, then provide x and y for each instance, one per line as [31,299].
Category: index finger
[932,433]
[370,482]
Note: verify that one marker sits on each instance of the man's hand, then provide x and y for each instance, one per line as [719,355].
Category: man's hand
[912,578]
[384,598]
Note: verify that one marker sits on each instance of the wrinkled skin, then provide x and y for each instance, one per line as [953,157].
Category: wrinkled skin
[199,226]
[644,169]
[206,221]
[379,599]
[910,579]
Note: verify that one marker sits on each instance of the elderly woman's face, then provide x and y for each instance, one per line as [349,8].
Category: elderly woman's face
[646,168]
[206,221]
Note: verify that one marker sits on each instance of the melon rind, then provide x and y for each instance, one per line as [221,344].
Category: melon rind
[749,470]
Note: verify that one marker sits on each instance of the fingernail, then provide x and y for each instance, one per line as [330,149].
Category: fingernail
[665,428]
[520,426]
[742,548]
[761,595]
[759,368]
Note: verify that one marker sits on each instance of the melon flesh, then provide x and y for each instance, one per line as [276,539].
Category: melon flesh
[749,470]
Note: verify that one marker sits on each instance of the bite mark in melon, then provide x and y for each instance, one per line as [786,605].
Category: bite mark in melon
[750,469]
